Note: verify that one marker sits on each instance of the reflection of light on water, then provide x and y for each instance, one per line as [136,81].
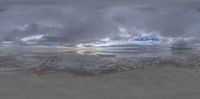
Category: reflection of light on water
[80,49]
[93,59]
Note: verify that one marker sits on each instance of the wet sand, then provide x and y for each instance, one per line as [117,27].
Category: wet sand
[166,75]
[150,83]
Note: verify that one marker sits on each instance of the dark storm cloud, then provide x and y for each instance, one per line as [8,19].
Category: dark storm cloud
[78,22]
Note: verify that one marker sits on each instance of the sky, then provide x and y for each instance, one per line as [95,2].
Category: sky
[94,21]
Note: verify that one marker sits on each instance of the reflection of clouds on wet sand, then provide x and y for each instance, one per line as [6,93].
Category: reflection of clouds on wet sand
[95,62]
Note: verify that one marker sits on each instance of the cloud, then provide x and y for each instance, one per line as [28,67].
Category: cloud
[81,24]
[32,38]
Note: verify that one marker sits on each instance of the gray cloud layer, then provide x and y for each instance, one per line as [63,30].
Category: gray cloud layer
[79,23]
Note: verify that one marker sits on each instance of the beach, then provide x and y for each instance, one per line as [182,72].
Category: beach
[150,83]
[70,75]
[99,49]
